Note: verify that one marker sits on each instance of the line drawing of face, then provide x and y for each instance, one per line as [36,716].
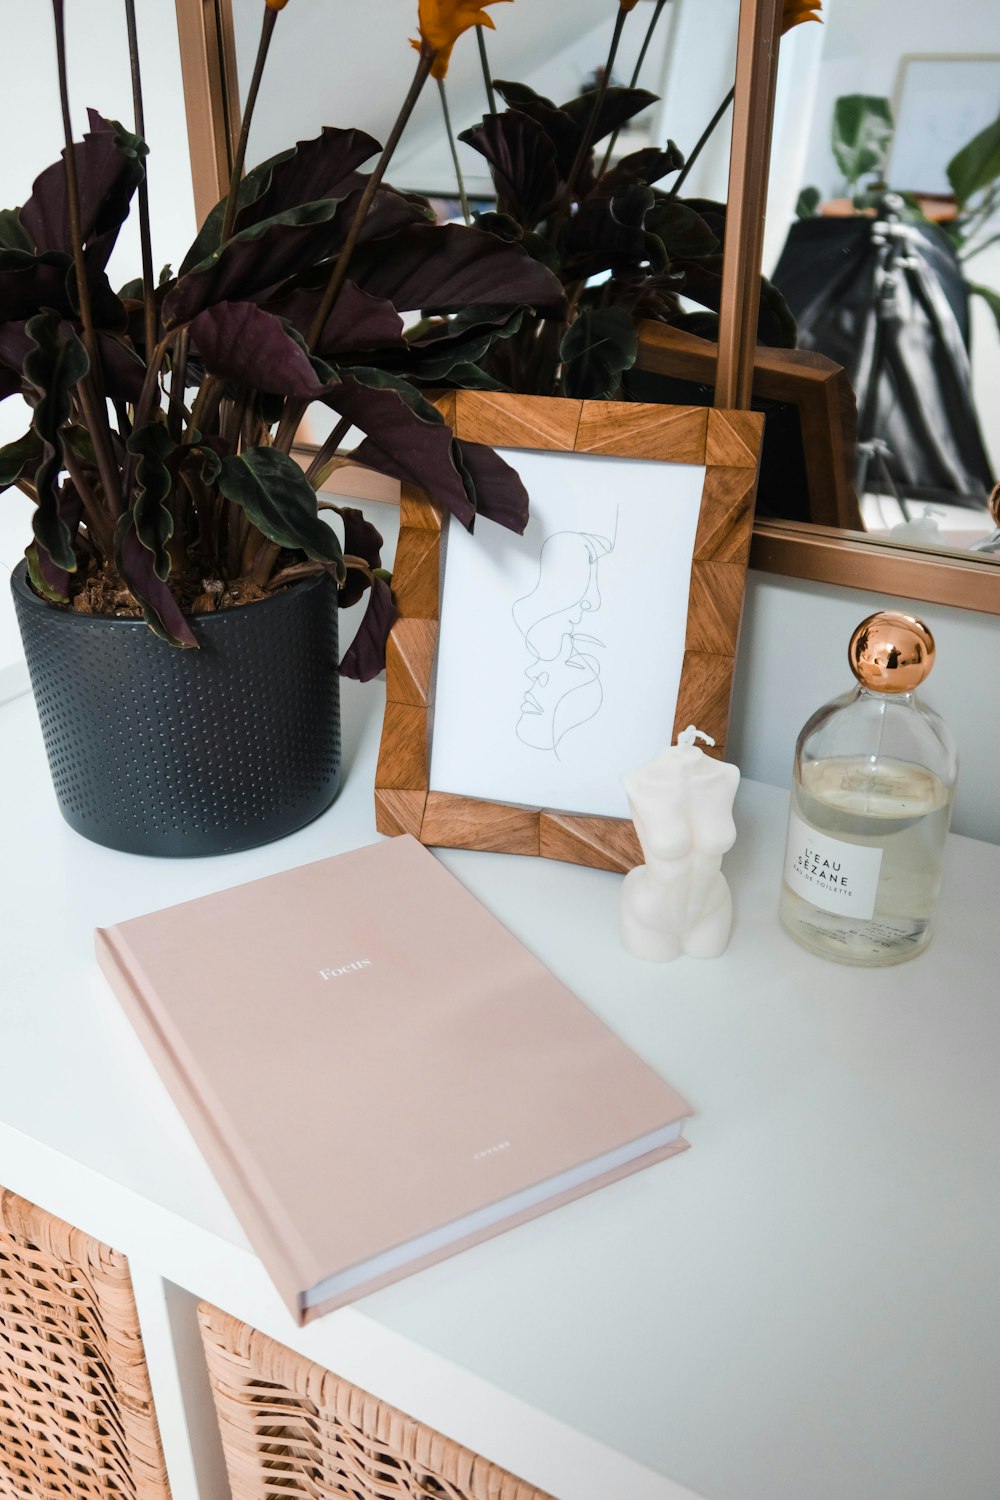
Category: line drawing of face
[564,678]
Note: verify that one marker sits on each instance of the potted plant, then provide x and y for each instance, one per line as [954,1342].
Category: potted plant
[178,598]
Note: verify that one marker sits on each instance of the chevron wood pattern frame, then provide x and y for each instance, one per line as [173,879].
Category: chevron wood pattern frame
[728,444]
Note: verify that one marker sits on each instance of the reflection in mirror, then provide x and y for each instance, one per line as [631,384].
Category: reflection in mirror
[557,48]
[593,186]
[886,167]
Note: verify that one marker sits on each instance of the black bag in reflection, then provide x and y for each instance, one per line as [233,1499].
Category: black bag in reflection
[886,300]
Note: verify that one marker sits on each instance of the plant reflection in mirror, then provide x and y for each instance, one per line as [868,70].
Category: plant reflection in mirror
[624,247]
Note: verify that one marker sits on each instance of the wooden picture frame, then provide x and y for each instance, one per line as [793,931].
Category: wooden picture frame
[818,389]
[727,443]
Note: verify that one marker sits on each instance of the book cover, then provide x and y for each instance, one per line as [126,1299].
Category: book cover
[378,1072]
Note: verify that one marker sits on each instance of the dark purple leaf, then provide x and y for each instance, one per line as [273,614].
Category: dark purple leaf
[109,169]
[453,345]
[407,438]
[152,517]
[446,267]
[502,225]
[159,607]
[776,326]
[46,579]
[358,323]
[124,371]
[681,230]
[253,262]
[365,657]
[713,213]
[20,457]
[361,539]
[596,348]
[522,164]
[14,345]
[51,581]
[499,491]
[561,129]
[390,211]
[29,283]
[609,234]
[647,165]
[314,169]
[618,107]
[276,496]
[324,167]
[10,383]
[241,342]
[53,366]
[12,232]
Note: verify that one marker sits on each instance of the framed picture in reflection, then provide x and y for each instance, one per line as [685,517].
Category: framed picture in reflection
[527,673]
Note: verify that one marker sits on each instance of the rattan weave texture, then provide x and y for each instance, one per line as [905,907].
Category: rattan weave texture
[290,1428]
[77,1420]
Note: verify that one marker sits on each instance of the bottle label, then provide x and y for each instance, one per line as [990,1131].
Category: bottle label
[829,873]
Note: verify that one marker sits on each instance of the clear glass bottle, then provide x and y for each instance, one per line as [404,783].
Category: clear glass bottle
[874,778]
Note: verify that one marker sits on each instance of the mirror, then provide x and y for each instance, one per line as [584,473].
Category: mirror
[556,48]
[555,51]
[916,93]
[884,236]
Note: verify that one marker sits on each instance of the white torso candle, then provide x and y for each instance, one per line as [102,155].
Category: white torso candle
[678,901]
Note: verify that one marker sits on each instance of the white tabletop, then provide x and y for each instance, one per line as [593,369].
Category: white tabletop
[802,1307]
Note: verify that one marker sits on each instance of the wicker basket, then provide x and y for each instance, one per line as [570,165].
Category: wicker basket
[76,1410]
[290,1428]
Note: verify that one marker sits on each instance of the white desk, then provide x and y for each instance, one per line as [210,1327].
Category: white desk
[802,1307]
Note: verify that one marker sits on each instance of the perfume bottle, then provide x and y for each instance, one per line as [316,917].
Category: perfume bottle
[874,778]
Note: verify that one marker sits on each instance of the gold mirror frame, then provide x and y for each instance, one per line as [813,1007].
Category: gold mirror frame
[818,554]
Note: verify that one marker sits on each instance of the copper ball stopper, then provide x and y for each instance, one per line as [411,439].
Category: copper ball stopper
[891,652]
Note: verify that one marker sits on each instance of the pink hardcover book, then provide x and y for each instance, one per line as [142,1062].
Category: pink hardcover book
[377,1071]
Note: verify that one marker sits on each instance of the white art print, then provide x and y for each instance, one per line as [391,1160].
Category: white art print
[560,652]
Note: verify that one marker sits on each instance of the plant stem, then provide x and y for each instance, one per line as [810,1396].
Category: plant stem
[328,450]
[145,237]
[657,13]
[701,143]
[143,409]
[232,202]
[339,272]
[90,387]
[144,406]
[454,152]
[587,139]
[294,571]
[97,521]
[73,191]
[292,414]
[178,375]
[491,97]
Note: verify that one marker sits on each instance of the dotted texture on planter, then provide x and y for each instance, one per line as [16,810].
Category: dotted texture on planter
[158,750]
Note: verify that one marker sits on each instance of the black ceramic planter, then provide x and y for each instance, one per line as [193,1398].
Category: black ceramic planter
[158,750]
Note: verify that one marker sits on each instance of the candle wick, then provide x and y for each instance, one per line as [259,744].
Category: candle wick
[689,735]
